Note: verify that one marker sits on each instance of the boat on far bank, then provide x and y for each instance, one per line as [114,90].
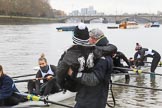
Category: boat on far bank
[128,25]
[113,26]
[153,24]
[66,28]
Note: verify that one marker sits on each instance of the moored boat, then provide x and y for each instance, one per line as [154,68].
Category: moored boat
[128,25]
[148,25]
[113,26]
[155,24]
[66,28]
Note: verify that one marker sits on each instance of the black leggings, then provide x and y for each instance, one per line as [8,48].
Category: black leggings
[47,88]
[10,101]
[155,62]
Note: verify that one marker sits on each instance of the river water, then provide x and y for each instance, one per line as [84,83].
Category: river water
[22,45]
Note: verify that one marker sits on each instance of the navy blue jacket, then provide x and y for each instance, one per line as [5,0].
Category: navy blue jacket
[93,93]
[94,87]
[7,87]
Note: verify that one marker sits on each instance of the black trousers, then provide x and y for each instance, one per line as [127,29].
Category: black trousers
[46,88]
[10,101]
[155,62]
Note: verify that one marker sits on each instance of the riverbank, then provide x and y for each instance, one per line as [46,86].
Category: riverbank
[27,20]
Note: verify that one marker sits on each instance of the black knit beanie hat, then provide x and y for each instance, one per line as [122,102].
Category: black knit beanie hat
[81,34]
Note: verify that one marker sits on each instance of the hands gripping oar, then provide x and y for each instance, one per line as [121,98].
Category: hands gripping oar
[38,98]
[138,71]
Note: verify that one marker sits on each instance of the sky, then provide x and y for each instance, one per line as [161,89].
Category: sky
[109,6]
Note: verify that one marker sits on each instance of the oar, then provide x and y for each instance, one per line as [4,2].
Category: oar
[38,98]
[129,69]
[23,75]
[26,80]
[121,84]
[138,71]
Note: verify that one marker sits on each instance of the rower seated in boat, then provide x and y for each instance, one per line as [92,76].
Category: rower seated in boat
[7,91]
[47,74]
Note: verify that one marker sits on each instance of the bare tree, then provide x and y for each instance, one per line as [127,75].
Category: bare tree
[35,8]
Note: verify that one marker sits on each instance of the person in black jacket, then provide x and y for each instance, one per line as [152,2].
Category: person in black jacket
[137,56]
[7,90]
[47,74]
[145,52]
[117,61]
[75,57]
[86,66]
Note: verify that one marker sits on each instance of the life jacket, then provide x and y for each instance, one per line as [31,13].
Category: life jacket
[49,72]
[149,52]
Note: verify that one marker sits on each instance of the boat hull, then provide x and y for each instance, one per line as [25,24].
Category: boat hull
[128,25]
[68,28]
[121,76]
[155,25]
[57,97]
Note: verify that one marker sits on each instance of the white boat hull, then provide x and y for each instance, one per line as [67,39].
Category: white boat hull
[57,97]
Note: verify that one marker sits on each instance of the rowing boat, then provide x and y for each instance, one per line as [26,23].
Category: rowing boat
[57,97]
[121,76]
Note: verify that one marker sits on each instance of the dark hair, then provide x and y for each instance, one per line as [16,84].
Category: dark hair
[1,70]
[42,57]
[137,43]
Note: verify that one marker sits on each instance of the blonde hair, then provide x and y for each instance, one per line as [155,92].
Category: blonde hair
[42,57]
[1,70]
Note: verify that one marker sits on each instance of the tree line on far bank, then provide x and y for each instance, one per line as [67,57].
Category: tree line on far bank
[31,8]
